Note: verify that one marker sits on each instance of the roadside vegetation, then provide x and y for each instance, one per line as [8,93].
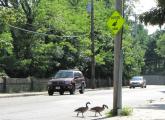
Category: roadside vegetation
[126,111]
[39,37]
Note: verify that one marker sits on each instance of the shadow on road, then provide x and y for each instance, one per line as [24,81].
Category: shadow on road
[162,91]
[92,117]
[101,118]
[154,106]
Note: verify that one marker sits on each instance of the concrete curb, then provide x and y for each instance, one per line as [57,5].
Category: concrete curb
[3,95]
[26,94]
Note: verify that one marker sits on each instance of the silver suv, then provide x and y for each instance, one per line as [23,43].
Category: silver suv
[137,81]
[67,80]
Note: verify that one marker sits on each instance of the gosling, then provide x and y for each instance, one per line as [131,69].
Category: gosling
[82,109]
[98,109]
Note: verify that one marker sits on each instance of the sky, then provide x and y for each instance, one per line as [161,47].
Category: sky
[146,5]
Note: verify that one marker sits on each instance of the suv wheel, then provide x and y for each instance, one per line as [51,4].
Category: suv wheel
[82,89]
[72,91]
[61,92]
[50,92]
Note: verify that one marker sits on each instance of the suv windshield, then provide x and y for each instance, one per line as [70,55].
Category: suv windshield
[136,78]
[64,74]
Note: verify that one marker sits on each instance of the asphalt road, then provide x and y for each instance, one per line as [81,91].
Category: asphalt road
[58,107]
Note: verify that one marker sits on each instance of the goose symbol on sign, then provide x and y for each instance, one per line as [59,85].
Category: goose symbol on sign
[115,22]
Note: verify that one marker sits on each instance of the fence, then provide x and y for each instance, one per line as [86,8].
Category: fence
[10,85]
[155,79]
[22,84]
[2,85]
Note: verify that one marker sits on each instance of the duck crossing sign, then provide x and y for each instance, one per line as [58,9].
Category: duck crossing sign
[115,22]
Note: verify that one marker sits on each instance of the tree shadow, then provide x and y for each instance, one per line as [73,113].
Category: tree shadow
[100,118]
[162,91]
[80,117]
[158,119]
[154,106]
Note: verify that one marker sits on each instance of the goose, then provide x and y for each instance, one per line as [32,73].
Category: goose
[82,109]
[98,109]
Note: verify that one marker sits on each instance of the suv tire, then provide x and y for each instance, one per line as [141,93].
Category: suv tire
[61,92]
[81,91]
[72,91]
[50,92]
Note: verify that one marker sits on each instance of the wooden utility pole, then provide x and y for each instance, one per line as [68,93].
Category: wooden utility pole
[92,47]
[117,84]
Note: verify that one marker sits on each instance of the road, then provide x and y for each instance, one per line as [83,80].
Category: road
[58,107]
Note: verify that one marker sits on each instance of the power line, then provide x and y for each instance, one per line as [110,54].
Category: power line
[44,34]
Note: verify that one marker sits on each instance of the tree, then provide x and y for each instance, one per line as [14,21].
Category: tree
[154,60]
[47,35]
[161,45]
[156,15]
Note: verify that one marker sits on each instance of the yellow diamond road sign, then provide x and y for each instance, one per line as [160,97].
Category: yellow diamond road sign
[115,22]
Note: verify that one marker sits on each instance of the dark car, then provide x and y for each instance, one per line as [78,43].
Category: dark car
[137,81]
[67,80]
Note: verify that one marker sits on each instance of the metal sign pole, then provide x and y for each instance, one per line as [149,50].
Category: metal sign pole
[117,95]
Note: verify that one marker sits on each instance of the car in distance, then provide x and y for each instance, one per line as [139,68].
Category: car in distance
[67,80]
[137,81]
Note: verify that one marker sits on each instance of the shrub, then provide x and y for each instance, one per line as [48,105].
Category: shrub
[126,111]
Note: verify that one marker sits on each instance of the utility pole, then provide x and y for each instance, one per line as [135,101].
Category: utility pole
[92,47]
[117,83]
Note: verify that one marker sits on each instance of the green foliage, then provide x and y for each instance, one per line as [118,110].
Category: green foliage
[126,111]
[110,113]
[154,60]
[161,45]
[5,44]
[43,36]
[134,48]
[154,16]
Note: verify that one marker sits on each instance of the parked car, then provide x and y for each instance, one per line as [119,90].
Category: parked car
[137,81]
[67,80]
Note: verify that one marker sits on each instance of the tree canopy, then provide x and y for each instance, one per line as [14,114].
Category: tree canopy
[39,37]
[156,15]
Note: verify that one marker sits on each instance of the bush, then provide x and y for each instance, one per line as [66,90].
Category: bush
[110,113]
[126,111]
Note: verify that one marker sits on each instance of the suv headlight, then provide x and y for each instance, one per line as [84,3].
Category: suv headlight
[141,82]
[67,82]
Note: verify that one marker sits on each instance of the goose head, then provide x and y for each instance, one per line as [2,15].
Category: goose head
[105,106]
[87,104]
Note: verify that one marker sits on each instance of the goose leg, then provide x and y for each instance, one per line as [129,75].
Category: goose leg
[95,114]
[77,114]
[100,114]
[82,114]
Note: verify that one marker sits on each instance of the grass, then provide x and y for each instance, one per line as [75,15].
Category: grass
[126,111]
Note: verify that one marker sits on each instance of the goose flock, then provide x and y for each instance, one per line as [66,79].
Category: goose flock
[96,109]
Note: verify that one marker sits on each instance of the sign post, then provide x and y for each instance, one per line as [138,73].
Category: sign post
[115,23]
